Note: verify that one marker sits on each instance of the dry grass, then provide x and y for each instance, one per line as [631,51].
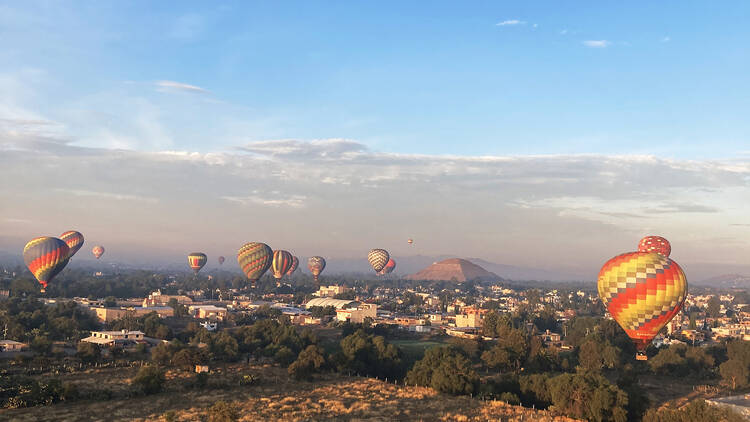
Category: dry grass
[276,397]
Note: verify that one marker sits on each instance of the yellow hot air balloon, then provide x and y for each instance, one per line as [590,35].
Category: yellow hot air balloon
[642,291]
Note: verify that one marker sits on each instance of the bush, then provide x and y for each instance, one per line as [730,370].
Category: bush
[510,398]
[308,362]
[222,411]
[149,380]
[697,410]
[446,370]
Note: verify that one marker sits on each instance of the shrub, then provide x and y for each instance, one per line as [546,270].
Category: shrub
[222,411]
[149,380]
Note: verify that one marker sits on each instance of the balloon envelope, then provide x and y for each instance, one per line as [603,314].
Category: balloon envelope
[316,265]
[45,257]
[221,260]
[281,263]
[655,244]
[410,241]
[642,291]
[293,268]
[254,259]
[74,240]
[389,267]
[97,251]
[378,258]
[197,260]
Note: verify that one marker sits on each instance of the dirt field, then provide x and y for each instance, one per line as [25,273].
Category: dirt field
[274,397]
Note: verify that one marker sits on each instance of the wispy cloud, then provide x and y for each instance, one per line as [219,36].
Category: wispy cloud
[510,22]
[166,86]
[665,39]
[295,201]
[107,195]
[597,43]
[564,32]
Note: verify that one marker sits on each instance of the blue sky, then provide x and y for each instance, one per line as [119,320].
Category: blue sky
[436,78]
[542,134]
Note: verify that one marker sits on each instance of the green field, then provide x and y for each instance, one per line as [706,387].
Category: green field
[414,349]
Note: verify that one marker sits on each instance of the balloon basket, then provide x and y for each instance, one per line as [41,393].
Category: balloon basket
[641,356]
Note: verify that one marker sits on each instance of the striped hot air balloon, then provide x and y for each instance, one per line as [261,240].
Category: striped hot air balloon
[221,260]
[655,244]
[254,259]
[197,260]
[378,258]
[74,240]
[316,265]
[98,251]
[293,268]
[281,263]
[410,241]
[45,257]
[642,291]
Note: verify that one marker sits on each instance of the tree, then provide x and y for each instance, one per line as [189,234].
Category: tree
[309,361]
[222,411]
[88,352]
[588,396]
[149,380]
[696,410]
[446,370]
[367,354]
[735,373]
[713,307]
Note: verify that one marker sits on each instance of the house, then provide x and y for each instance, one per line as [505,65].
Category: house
[358,314]
[112,314]
[158,299]
[112,338]
[208,312]
[12,346]
[331,291]
[470,317]
[551,339]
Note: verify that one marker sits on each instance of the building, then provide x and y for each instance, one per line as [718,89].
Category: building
[359,314]
[208,312]
[111,338]
[158,299]
[112,314]
[551,339]
[336,303]
[331,291]
[470,317]
[12,346]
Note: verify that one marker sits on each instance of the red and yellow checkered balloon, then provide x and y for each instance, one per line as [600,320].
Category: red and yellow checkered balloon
[642,291]
[655,244]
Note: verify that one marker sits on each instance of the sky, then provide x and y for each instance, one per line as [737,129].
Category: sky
[541,134]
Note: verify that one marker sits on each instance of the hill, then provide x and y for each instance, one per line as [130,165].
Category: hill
[454,268]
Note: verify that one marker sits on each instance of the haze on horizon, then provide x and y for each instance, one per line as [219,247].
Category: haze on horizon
[542,135]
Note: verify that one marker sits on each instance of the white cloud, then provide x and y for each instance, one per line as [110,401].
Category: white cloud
[166,86]
[597,43]
[510,22]
[564,32]
[295,201]
[107,195]
[665,39]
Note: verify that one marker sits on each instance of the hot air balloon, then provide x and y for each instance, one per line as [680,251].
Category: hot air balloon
[378,258]
[389,267]
[642,291]
[254,259]
[316,265]
[45,257]
[197,260]
[97,251]
[293,268]
[281,263]
[221,260]
[410,241]
[655,244]
[74,240]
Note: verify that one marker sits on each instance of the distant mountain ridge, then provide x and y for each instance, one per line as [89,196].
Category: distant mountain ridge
[727,281]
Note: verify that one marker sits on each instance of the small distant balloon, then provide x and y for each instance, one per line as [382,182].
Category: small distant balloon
[45,257]
[98,251]
[74,240]
[410,241]
[316,265]
[197,260]
[378,258]
[656,244]
[221,260]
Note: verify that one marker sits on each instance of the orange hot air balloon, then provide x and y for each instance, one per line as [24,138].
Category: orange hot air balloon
[316,265]
[197,260]
[45,257]
[410,241]
[254,259]
[655,244]
[293,268]
[98,251]
[281,263]
[378,258]
[642,291]
[74,240]
[389,267]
